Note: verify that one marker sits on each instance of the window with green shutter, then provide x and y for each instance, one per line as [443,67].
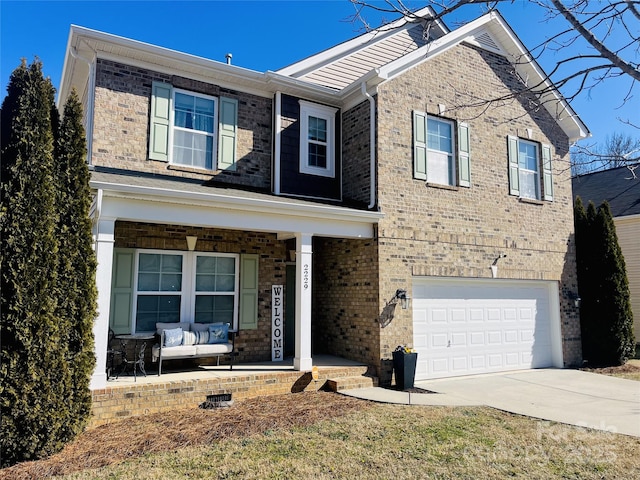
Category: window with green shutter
[435,157]
[530,174]
[151,286]
[192,129]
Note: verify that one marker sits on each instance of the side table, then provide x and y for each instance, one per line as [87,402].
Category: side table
[138,352]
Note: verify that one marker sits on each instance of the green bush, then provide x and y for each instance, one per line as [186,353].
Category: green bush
[47,346]
[605,314]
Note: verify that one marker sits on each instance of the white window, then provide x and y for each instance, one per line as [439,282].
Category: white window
[528,169]
[529,162]
[440,144]
[193,129]
[437,151]
[185,286]
[317,139]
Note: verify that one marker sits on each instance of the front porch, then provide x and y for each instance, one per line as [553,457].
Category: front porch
[188,387]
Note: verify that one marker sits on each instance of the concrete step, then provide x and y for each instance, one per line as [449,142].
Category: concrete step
[349,383]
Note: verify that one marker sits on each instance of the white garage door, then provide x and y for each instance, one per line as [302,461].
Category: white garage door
[465,327]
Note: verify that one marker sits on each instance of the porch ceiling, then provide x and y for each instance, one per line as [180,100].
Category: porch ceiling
[168,200]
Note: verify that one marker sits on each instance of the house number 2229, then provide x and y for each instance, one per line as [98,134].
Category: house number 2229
[305,276]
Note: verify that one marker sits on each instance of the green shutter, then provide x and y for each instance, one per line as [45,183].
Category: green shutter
[464,157]
[546,173]
[514,179]
[419,146]
[122,290]
[248,292]
[228,127]
[159,121]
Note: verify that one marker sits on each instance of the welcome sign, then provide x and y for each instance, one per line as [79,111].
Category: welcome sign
[277,323]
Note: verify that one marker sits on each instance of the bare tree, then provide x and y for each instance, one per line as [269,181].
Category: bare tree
[600,41]
[618,150]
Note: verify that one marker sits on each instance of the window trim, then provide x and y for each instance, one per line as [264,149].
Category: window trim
[452,156]
[536,171]
[309,109]
[187,292]
[213,135]
[460,156]
[544,160]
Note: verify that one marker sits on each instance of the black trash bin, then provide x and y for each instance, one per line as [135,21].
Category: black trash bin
[404,366]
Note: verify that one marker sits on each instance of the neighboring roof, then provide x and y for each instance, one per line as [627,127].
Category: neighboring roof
[618,186]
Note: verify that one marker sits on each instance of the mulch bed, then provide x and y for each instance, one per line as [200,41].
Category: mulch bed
[626,368]
[132,437]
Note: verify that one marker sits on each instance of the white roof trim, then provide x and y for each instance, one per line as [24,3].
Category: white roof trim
[514,50]
[335,53]
[278,206]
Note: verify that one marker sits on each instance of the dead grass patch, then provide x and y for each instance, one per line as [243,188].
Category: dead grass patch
[178,429]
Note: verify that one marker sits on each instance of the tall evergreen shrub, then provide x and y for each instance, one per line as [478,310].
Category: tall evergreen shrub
[45,331]
[76,261]
[605,314]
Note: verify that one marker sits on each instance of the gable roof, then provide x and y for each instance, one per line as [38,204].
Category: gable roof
[336,76]
[618,186]
[343,64]
[344,67]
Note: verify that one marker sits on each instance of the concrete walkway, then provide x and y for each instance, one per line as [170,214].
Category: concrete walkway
[566,396]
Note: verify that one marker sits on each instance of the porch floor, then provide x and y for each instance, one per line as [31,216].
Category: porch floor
[188,387]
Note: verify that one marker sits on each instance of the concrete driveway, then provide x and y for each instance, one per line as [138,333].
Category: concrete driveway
[567,396]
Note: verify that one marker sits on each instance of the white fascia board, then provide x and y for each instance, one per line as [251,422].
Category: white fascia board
[422,54]
[151,210]
[237,204]
[301,88]
[493,22]
[337,52]
[553,101]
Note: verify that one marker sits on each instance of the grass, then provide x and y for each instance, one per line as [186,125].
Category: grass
[329,436]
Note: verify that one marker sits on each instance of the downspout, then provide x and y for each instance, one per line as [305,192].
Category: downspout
[90,101]
[277,146]
[372,145]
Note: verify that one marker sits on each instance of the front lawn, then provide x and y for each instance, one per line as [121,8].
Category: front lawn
[325,435]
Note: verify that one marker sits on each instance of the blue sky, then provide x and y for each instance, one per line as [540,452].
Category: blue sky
[262,35]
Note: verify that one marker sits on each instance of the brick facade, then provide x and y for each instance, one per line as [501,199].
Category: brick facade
[427,230]
[121,128]
[458,232]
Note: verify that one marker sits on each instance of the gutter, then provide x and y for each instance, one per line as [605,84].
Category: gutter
[233,202]
[90,101]
[372,145]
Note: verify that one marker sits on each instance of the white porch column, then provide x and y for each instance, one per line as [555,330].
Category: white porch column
[104,254]
[302,360]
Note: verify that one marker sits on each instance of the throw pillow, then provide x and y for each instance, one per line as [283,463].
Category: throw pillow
[189,338]
[173,337]
[202,337]
[219,333]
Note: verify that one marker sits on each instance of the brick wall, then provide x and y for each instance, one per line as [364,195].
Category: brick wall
[458,232]
[345,309]
[121,128]
[252,345]
[356,154]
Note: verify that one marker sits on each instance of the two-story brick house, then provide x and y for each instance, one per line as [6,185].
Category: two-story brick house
[372,167]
